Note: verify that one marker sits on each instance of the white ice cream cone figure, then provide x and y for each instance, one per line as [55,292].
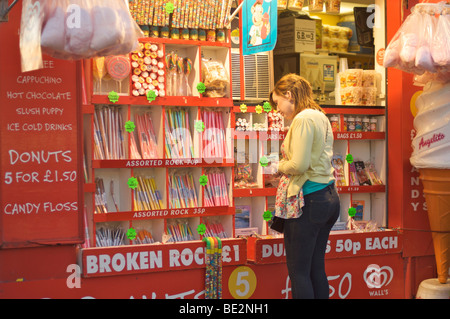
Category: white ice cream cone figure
[431,155]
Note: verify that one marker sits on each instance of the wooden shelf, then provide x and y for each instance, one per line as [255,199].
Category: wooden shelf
[359,135]
[166,101]
[176,162]
[164,213]
[262,135]
[361,189]
[254,192]
[182,42]
[354,109]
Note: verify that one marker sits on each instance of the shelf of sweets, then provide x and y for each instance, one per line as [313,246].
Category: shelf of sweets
[171,69]
[122,169]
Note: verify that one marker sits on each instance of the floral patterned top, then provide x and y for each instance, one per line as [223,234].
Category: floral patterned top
[287,207]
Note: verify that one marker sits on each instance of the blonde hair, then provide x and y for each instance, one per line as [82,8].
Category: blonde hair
[301,92]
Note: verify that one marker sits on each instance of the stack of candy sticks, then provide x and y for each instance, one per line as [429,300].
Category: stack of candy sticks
[180,231]
[215,230]
[146,195]
[110,236]
[108,137]
[101,206]
[147,137]
[178,139]
[213,261]
[187,13]
[216,190]
[143,237]
[182,192]
[214,135]
[134,151]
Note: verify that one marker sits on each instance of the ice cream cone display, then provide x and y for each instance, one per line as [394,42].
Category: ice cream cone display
[431,154]
[436,187]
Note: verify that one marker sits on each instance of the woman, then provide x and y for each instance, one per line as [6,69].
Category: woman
[307,199]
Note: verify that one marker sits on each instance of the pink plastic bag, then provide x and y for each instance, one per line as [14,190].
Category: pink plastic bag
[30,35]
[440,49]
[424,60]
[401,51]
[82,29]
[422,44]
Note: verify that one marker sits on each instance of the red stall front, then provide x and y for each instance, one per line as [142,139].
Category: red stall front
[75,178]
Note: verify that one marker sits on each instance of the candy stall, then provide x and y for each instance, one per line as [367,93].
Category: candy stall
[139,150]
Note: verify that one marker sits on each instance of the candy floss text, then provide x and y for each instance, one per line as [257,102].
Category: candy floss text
[153,260]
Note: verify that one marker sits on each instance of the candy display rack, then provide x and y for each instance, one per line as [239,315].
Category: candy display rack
[117,172]
[363,146]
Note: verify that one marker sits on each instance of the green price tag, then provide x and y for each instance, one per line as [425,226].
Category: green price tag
[201,229]
[132,182]
[129,126]
[201,88]
[352,211]
[263,161]
[267,107]
[151,96]
[349,158]
[203,180]
[113,97]
[199,126]
[267,216]
[131,234]
[169,7]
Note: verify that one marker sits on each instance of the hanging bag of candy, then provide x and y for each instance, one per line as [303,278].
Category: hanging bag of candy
[82,29]
[424,60]
[401,51]
[422,44]
[440,49]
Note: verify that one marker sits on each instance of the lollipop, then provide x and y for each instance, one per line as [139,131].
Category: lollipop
[180,70]
[119,68]
[99,71]
[174,72]
[187,68]
[170,68]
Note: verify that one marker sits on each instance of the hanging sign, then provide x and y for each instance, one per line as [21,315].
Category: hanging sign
[259,26]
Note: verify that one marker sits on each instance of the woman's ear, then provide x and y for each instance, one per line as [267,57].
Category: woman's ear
[288,95]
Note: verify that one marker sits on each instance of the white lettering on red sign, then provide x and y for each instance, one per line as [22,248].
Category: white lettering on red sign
[154,259]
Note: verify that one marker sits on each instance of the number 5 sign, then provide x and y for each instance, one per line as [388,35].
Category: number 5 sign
[242,283]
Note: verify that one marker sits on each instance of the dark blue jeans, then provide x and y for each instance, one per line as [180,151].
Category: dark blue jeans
[305,240]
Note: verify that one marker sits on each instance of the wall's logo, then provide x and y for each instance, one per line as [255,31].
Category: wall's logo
[377,277]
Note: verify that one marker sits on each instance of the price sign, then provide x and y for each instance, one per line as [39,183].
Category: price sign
[39,147]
